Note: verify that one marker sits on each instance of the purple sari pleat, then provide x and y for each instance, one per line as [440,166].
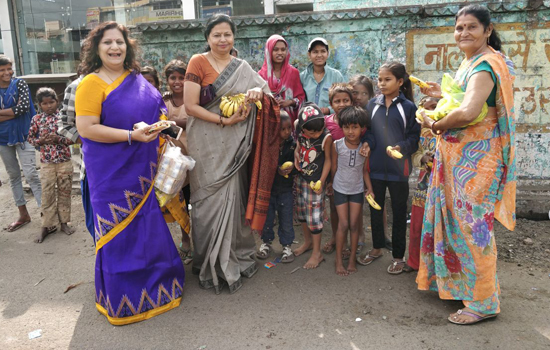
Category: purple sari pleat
[138,271]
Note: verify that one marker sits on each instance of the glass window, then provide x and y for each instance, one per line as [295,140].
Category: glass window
[207,8]
[53,30]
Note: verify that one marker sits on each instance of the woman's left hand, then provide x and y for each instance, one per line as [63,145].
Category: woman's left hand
[254,95]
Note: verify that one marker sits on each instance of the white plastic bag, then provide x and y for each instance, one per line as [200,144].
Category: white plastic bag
[172,169]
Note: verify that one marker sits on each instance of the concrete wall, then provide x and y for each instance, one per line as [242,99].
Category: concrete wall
[420,36]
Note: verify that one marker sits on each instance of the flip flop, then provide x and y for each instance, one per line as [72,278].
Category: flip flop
[393,268]
[16,225]
[477,318]
[362,261]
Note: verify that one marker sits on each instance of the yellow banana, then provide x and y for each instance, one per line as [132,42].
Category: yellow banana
[258,104]
[394,153]
[372,202]
[418,82]
[430,164]
[316,186]
[287,165]
[230,109]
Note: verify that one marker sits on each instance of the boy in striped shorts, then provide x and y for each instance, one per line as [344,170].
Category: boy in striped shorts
[312,160]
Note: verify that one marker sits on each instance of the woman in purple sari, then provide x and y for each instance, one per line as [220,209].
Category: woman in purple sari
[138,272]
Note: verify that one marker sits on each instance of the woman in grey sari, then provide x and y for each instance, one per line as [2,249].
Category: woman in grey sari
[219,182]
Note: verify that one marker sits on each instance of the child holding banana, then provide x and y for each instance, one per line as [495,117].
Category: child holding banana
[313,160]
[282,200]
[392,139]
[350,177]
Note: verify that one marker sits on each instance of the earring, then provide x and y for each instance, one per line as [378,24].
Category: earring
[488,40]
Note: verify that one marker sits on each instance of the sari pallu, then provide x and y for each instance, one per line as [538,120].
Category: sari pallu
[473,182]
[138,272]
[224,245]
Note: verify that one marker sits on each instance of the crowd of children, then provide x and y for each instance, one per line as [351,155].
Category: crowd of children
[346,156]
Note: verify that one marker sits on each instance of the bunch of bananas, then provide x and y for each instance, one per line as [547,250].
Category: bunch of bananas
[316,186]
[418,82]
[287,165]
[372,202]
[394,153]
[230,104]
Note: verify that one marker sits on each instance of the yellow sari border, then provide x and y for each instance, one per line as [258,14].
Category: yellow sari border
[141,317]
[118,228]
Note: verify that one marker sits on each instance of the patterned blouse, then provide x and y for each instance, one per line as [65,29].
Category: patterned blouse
[45,124]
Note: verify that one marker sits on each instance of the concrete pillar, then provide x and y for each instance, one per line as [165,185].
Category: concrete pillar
[8,33]
[269,7]
[188,7]
[120,11]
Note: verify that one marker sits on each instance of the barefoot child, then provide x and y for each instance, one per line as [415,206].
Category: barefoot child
[340,96]
[363,91]
[282,199]
[312,160]
[350,179]
[422,159]
[393,128]
[57,167]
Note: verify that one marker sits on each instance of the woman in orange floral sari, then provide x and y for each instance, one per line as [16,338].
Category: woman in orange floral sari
[474,176]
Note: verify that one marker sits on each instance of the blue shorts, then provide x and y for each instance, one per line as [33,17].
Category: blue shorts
[340,198]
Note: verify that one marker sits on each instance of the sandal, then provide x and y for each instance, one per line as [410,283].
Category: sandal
[16,225]
[396,267]
[264,251]
[329,247]
[476,318]
[368,259]
[287,256]
[407,268]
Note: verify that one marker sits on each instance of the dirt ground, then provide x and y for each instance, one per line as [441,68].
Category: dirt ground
[276,309]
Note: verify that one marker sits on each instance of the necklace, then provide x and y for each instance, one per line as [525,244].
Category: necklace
[215,62]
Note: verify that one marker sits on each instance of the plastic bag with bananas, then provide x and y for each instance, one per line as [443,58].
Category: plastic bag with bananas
[230,104]
[452,99]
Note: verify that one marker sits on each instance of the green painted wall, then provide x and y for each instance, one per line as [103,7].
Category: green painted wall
[361,40]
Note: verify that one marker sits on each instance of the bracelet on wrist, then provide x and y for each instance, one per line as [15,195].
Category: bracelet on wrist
[129,137]
[436,132]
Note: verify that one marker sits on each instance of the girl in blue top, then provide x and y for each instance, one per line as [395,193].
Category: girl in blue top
[393,128]
[318,77]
